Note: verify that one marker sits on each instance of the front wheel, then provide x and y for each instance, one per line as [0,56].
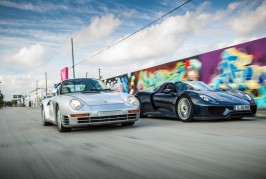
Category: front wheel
[60,126]
[44,122]
[185,109]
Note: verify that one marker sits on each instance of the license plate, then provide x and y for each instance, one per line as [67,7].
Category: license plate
[109,113]
[241,107]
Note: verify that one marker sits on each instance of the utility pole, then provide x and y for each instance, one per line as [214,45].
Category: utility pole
[100,76]
[45,84]
[36,93]
[73,63]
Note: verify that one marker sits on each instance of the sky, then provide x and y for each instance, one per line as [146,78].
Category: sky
[35,36]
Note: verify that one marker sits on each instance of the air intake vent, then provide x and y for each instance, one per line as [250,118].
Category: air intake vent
[65,120]
[216,110]
[107,118]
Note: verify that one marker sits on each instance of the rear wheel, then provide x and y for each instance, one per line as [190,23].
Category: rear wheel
[60,126]
[185,109]
[128,124]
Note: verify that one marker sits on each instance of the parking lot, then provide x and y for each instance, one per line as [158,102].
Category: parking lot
[152,148]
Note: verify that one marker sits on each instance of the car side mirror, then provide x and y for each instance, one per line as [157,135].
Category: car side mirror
[166,91]
[54,91]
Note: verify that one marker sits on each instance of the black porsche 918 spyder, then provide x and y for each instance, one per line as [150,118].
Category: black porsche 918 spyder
[190,100]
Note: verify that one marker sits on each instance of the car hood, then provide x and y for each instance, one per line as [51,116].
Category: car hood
[223,97]
[98,98]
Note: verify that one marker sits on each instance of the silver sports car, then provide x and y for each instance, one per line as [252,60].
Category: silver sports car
[87,101]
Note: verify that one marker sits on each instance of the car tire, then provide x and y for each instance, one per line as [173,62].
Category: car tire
[128,124]
[44,122]
[59,124]
[184,109]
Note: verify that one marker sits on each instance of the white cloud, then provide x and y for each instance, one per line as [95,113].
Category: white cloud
[202,30]
[99,28]
[234,5]
[28,57]
[249,21]
[21,84]
[129,13]
[33,7]
[156,41]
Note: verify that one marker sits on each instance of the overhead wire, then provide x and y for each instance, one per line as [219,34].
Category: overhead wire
[123,39]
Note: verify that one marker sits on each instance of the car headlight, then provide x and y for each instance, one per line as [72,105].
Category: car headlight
[75,104]
[208,99]
[130,99]
[133,100]
[248,97]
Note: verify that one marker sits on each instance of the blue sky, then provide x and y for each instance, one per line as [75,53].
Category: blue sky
[35,35]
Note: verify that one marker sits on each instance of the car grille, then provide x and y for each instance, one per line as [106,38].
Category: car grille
[219,110]
[216,110]
[65,120]
[107,118]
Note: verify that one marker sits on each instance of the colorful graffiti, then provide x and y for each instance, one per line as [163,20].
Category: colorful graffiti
[151,78]
[241,67]
[237,71]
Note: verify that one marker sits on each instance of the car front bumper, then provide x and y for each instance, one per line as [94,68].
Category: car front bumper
[123,117]
[222,112]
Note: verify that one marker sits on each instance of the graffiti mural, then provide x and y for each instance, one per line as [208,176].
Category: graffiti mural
[151,78]
[241,67]
[237,70]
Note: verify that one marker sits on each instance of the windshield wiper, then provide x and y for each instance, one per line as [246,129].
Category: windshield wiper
[107,89]
[96,90]
[91,91]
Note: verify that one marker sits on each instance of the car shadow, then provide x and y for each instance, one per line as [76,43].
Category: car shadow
[223,120]
[149,122]
[101,128]
[112,127]
[201,120]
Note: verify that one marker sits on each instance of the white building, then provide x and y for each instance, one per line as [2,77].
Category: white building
[35,97]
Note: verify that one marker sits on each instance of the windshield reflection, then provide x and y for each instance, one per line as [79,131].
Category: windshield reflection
[83,85]
[198,86]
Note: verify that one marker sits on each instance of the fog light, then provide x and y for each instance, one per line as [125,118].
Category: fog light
[133,111]
[80,115]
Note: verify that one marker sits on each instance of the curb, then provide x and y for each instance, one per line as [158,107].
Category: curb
[261,113]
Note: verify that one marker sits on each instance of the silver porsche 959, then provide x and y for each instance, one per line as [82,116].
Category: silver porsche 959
[87,101]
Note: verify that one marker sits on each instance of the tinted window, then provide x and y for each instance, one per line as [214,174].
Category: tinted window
[79,85]
[193,85]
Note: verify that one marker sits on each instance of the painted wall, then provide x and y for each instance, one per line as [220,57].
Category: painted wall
[240,67]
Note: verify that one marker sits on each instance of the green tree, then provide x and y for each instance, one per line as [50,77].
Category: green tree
[14,102]
[8,103]
[1,99]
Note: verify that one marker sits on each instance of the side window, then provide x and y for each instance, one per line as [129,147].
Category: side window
[58,88]
[171,87]
[64,88]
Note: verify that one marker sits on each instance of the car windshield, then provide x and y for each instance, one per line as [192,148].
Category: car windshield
[83,85]
[198,86]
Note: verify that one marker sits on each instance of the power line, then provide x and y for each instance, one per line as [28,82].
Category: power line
[133,33]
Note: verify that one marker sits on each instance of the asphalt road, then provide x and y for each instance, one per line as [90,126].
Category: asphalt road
[152,148]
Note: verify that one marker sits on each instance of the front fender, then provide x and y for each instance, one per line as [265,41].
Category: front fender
[63,103]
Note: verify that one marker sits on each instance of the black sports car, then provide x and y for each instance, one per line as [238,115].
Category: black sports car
[190,100]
